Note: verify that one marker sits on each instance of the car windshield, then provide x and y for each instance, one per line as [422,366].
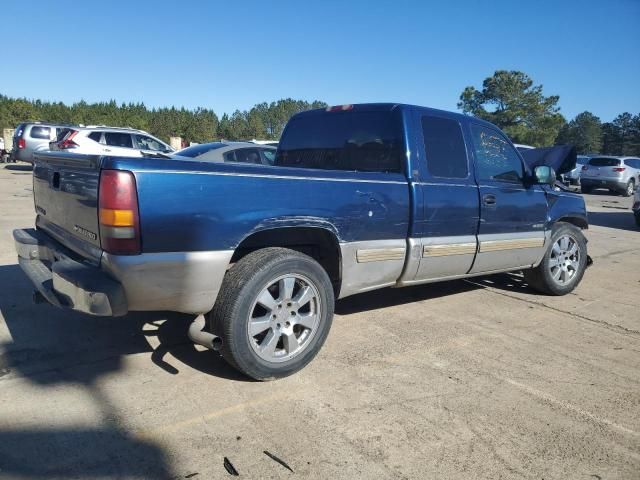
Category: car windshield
[604,162]
[197,150]
[582,160]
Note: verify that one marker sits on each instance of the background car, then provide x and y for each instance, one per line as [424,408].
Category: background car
[231,152]
[29,138]
[101,140]
[573,177]
[618,174]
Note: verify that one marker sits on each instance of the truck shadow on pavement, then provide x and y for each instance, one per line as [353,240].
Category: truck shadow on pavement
[621,220]
[51,348]
[20,168]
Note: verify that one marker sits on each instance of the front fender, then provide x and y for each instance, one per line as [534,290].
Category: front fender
[566,207]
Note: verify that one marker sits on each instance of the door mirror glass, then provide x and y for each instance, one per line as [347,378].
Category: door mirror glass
[544,175]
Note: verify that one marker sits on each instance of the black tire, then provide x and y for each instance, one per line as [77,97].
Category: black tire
[630,188]
[236,303]
[637,215]
[584,189]
[541,279]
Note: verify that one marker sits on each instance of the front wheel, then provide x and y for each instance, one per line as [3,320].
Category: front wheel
[563,264]
[273,312]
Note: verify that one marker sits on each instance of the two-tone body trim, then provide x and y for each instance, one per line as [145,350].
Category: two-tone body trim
[449,249]
[511,244]
[380,254]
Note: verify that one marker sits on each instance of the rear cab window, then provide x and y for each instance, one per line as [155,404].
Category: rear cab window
[352,140]
[40,132]
[604,162]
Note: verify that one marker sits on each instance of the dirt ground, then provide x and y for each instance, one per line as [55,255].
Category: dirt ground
[468,379]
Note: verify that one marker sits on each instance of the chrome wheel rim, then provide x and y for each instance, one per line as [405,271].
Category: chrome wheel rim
[630,188]
[284,318]
[565,259]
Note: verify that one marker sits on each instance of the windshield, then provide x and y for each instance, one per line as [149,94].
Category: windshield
[198,150]
[604,162]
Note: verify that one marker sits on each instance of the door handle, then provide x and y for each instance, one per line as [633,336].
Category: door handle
[489,200]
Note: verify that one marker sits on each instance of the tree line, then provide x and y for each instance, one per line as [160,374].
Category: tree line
[508,99]
[263,121]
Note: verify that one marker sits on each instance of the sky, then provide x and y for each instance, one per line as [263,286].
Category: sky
[231,55]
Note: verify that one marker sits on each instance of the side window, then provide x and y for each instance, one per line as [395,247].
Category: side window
[96,136]
[444,147]
[40,132]
[229,156]
[118,139]
[495,158]
[269,156]
[247,155]
[144,142]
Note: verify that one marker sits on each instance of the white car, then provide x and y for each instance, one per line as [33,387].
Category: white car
[101,140]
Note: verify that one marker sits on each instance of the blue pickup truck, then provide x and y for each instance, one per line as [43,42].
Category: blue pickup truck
[361,197]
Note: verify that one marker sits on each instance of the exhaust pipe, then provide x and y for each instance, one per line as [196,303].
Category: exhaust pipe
[206,339]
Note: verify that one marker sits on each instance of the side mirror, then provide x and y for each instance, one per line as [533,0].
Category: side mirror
[544,175]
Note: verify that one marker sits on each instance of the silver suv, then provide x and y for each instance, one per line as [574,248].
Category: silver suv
[29,138]
[618,174]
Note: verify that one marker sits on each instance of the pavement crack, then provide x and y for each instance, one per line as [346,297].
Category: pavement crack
[611,326]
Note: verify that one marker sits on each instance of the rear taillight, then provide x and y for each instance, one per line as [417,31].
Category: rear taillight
[118,213]
[618,169]
[68,142]
[21,143]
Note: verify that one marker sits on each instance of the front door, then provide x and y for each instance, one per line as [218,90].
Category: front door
[511,232]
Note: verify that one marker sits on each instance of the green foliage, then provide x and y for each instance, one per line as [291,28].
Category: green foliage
[509,100]
[622,136]
[584,132]
[263,121]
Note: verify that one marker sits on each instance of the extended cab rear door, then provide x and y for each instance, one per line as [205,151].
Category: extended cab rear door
[447,231]
[511,231]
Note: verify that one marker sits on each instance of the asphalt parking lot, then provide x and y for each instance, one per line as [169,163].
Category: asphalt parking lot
[468,379]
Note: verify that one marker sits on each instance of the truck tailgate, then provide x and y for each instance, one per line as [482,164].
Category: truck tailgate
[65,190]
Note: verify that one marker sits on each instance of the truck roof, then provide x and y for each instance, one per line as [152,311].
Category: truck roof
[389,106]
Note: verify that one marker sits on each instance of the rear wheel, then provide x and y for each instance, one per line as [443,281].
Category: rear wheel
[273,312]
[631,186]
[563,264]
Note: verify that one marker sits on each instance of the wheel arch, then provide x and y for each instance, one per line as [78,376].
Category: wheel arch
[318,242]
[578,221]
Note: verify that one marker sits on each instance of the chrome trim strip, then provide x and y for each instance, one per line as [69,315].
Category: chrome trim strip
[279,177]
[380,254]
[449,249]
[511,244]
